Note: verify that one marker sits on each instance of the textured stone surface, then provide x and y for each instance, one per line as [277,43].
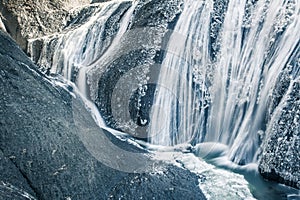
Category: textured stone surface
[136,58]
[280,158]
[13,184]
[43,137]
[25,19]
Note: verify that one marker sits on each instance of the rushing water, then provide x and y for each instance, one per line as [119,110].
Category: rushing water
[72,53]
[215,84]
[222,67]
[224,98]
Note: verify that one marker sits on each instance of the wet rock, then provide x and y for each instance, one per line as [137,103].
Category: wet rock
[31,19]
[217,18]
[135,62]
[51,148]
[280,159]
[13,184]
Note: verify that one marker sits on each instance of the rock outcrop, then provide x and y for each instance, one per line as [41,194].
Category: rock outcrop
[24,19]
[51,148]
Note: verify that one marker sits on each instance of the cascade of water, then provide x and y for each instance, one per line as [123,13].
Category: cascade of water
[76,50]
[71,48]
[224,100]
[201,96]
[181,111]
[82,75]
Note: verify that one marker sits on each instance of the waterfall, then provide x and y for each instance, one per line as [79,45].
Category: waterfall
[82,78]
[180,111]
[225,98]
[220,77]
[72,53]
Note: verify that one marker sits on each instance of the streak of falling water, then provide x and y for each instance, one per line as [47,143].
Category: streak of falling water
[225,100]
[72,47]
[187,51]
[76,50]
[82,77]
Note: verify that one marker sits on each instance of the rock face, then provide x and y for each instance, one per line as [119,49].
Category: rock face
[136,58]
[13,185]
[51,147]
[31,19]
[99,1]
[280,158]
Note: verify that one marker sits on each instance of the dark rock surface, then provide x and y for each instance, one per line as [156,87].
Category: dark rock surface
[13,184]
[25,19]
[99,1]
[52,149]
[217,18]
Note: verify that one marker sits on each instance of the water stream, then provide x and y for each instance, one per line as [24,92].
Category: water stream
[226,99]
[216,83]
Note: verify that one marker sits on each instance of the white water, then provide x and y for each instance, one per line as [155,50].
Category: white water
[104,58]
[73,55]
[244,75]
[77,48]
[177,76]
[222,102]
[198,99]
